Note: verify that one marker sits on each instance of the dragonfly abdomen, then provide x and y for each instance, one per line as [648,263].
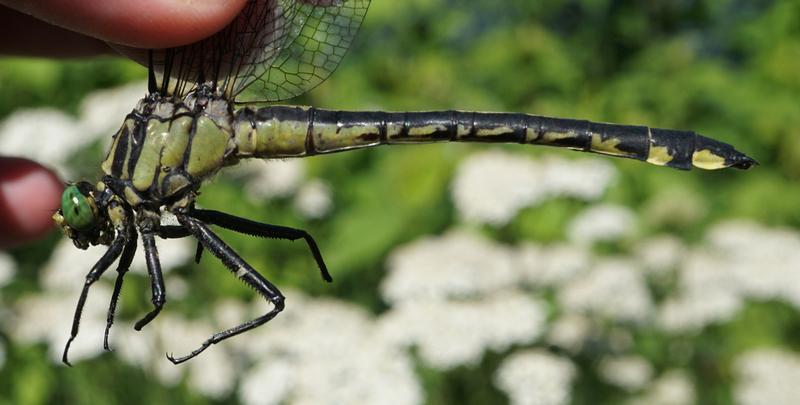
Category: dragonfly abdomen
[281,132]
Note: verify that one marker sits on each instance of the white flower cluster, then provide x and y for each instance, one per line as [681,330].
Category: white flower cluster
[491,187]
[325,352]
[8,269]
[767,376]
[741,261]
[270,178]
[673,387]
[613,289]
[536,378]
[453,298]
[600,223]
[50,136]
[48,317]
[631,373]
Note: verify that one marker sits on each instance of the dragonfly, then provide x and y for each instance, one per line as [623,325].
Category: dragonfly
[205,110]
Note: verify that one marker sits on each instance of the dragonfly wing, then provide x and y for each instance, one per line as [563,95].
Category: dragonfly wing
[274,49]
[316,35]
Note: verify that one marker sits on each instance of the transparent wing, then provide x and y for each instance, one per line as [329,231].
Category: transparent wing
[274,49]
[319,34]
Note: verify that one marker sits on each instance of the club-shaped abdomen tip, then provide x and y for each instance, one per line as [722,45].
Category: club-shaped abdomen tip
[712,155]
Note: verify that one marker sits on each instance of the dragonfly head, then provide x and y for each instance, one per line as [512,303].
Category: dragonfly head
[79,216]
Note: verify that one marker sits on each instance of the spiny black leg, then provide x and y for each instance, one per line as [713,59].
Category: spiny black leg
[241,269]
[97,270]
[172,232]
[253,228]
[156,278]
[175,232]
[122,268]
[198,253]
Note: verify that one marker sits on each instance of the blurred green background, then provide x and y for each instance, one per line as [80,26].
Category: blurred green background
[728,69]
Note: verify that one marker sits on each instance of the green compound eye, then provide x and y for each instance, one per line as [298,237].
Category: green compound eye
[77,209]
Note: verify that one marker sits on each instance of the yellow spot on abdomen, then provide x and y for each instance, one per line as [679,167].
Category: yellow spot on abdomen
[659,155]
[705,159]
[607,147]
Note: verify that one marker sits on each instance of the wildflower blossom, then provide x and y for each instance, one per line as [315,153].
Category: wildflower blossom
[550,266]
[631,373]
[673,387]
[536,378]
[453,333]
[764,262]
[101,111]
[767,376]
[660,255]
[323,351]
[314,199]
[20,135]
[570,332]
[457,264]
[601,223]
[7,268]
[491,187]
[271,178]
[613,289]
[706,294]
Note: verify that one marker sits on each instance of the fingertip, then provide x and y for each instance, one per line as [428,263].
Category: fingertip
[29,194]
[142,24]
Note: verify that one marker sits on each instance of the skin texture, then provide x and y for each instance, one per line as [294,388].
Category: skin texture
[29,192]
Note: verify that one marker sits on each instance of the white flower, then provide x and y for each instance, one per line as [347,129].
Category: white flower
[7,268]
[271,178]
[536,378]
[570,332]
[586,178]
[491,187]
[552,265]
[601,223]
[48,319]
[631,373]
[102,112]
[457,264]
[660,255]
[270,382]
[674,387]
[453,333]
[213,373]
[44,135]
[613,289]
[171,254]
[767,376]
[325,352]
[706,294]
[764,262]
[314,199]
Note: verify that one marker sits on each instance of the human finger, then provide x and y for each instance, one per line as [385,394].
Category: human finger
[29,194]
[142,23]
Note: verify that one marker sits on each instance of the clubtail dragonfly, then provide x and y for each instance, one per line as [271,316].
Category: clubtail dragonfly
[186,129]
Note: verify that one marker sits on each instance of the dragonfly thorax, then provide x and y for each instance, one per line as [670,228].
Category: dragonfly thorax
[165,148]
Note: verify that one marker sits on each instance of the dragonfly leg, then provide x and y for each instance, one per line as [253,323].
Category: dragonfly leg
[243,271]
[94,274]
[156,278]
[175,232]
[122,268]
[246,226]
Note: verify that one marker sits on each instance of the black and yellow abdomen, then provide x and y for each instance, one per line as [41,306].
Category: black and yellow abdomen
[289,131]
